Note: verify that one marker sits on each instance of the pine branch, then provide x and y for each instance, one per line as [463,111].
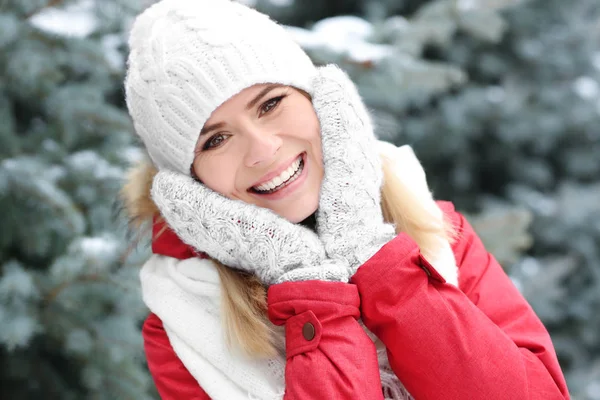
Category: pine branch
[52,3]
[54,293]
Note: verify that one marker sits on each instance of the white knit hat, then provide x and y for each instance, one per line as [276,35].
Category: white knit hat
[187,57]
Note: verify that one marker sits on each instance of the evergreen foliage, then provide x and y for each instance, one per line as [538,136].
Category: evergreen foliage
[499,98]
[70,310]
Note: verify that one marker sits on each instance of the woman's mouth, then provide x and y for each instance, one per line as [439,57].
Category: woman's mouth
[286,178]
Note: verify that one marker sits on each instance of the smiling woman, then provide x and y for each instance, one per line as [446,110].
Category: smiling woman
[263,146]
[248,141]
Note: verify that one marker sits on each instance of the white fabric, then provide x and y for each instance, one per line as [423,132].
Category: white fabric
[185,295]
[242,235]
[187,57]
[350,221]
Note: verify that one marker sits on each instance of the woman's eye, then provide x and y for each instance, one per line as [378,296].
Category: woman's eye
[270,104]
[214,141]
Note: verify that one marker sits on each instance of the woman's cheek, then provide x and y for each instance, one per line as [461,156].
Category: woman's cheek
[218,179]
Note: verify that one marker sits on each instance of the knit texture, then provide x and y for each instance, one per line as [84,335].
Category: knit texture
[188,57]
[242,235]
[349,218]
[186,295]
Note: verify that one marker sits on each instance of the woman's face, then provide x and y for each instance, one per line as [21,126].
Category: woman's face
[263,146]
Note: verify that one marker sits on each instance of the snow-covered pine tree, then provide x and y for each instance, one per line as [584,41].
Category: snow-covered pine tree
[70,310]
[499,99]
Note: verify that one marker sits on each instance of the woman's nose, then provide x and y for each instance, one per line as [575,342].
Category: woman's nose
[262,147]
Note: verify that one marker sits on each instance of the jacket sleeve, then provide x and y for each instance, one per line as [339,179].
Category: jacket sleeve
[172,379]
[482,341]
[329,355]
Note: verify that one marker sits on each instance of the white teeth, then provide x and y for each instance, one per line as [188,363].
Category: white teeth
[283,177]
[287,173]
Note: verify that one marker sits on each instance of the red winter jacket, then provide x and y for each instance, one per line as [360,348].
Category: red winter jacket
[479,341]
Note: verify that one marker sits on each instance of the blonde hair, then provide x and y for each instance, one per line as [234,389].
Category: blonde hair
[244,305]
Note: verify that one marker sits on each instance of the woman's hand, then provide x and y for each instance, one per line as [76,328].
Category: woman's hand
[349,219]
[242,235]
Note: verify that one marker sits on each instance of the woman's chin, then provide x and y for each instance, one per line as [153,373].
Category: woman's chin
[299,211]
[297,208]
[295,211]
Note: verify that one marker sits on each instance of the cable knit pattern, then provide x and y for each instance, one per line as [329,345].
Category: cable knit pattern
[349,219]
[186,296]
[242,235]
[185,60]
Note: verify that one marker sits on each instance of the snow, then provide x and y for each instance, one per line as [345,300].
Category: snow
[16,282]
[305,38]
[10,164]
[110,44]
[586,87]
[593,390]
[281,3]
[467,5]
[276,3]
[86,254]
[90,162]
[343,34]
[98,247]
[530,267]
[249,3]
[496,94]
[343,28]
[50,145]
[132,155]
[76,20]
[17,332]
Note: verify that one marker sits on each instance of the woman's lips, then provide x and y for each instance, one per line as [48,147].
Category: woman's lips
[289,188]
[277,172]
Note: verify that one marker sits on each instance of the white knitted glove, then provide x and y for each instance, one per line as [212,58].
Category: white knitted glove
[242,235]
[349,219]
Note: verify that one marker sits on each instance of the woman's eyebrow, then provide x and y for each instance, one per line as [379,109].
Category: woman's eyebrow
[208,128]
[262,93]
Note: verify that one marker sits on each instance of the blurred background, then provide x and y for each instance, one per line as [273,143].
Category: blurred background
[499,98]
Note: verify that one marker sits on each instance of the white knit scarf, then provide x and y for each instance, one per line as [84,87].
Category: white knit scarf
[186,296]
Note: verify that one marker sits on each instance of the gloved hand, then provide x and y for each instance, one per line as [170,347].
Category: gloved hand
[242,235]
[349,219]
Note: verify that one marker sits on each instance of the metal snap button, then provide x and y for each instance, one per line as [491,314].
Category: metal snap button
[308,331]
